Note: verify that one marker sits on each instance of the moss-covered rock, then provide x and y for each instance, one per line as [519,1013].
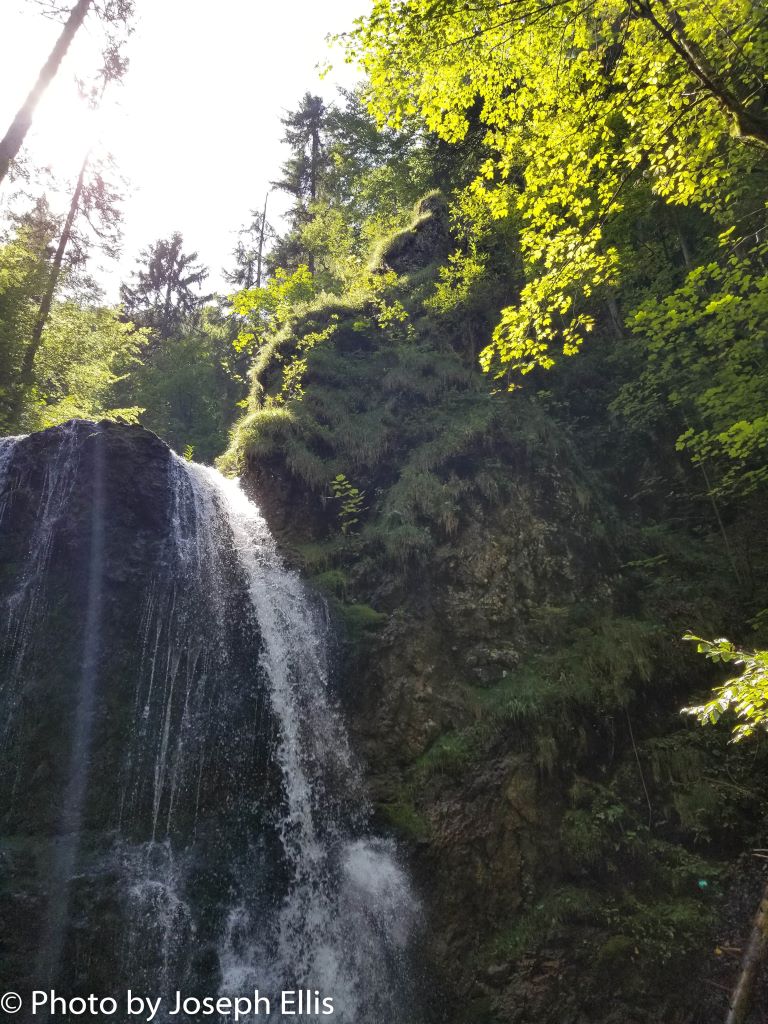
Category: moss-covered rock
[518,709]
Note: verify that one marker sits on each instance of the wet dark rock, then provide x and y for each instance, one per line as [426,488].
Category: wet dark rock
[179,806]
[90,506]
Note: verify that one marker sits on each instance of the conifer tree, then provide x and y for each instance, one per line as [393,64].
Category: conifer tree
[302,176]
[165,287]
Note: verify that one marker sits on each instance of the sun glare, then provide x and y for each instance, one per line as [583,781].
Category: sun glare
[195,109]
[64,127]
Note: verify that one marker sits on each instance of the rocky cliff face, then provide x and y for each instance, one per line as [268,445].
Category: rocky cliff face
[513,587]
[517,707]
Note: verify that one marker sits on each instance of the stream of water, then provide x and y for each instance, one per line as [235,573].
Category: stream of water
[239,827]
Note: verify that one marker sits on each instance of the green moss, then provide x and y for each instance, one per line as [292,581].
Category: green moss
[387,401]
[450,754]
[544,921]
[258,434]
[317,556]
[403,816]
[334,581]
[601,662]
[391,246]
[624,930]
[360,620]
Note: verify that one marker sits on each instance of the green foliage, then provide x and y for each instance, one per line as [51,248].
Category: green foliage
[360,622]
[450,754]
[350,501]
[458,278]
[350,182]
[606,99]
[549,701]
[263,311]
[638,896]
[165,289]
[361,617]
[709,788]
[85,356]
[86,353]
[24,270]
[594,662]
[185,390]
[705,343]
[559,907]
[301,178]
[745,695]
[365,340]
[378,398]
[335,581]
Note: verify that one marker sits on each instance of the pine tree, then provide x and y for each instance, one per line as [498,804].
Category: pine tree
[302,176]
[165,289]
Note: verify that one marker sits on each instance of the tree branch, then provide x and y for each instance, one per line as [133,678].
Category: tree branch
[749,125]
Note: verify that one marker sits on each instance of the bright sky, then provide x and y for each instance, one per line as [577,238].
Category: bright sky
[195,127]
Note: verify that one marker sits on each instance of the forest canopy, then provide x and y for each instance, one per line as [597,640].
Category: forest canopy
[591,180]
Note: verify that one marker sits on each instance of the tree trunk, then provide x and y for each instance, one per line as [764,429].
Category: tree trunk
[753,958]
[261,241]
[165,326]
[313,168]
[14,137]
[615,315]
[28,361]
[314,157]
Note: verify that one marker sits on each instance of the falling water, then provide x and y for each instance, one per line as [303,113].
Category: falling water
[346,917]
[239,851]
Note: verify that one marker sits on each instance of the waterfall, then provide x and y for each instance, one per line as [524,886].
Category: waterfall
[209,796]
[349,909]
